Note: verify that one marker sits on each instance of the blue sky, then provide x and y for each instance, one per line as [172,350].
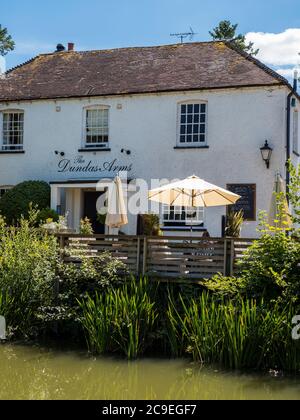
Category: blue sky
[96,24]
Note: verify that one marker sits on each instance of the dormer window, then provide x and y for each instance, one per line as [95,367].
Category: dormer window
[96,133]
[12,130]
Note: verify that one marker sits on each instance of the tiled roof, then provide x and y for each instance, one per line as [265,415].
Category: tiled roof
[180,67]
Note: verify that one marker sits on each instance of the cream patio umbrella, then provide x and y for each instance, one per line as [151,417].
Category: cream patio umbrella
[193,192]
[286,219]
[116,210]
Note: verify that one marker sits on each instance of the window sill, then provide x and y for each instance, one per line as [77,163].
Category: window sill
[12,152]
[190,147]
[95,150]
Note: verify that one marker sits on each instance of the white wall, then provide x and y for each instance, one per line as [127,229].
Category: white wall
[238,123]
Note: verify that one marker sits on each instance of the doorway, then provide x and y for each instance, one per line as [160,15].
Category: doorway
[90,210]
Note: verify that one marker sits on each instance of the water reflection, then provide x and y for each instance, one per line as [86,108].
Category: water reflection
[35,373]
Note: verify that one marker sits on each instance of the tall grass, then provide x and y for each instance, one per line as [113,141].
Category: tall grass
[121,320]
[239,334]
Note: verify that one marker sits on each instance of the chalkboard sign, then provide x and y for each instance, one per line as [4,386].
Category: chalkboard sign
[247,202]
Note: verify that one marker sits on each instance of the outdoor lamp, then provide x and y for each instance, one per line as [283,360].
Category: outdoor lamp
[266,153]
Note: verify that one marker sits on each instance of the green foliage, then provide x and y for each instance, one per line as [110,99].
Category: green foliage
[122,319]
[86,227]
[236,334]
[294,191]
[45,215]
[6,42]
[269,267]
[28,258]
[226,31]
[16,202]
[234,223]
[151,224]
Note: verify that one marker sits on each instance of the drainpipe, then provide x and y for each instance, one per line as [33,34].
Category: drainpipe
[288,130]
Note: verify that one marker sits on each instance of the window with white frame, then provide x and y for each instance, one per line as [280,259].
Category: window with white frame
[12,130]
[183,216]
[192,124]
[296,132]
[96,127]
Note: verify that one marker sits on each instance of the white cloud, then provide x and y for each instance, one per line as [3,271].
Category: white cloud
[277,49]
[288,73]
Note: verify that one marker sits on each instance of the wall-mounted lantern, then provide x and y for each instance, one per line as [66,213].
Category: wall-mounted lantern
[266,153]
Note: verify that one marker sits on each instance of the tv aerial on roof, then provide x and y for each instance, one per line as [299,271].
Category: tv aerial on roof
[183,35]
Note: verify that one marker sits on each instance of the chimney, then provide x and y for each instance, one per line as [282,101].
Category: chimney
[60,48]
[71,46]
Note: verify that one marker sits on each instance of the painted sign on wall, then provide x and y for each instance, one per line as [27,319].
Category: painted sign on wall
[82,165]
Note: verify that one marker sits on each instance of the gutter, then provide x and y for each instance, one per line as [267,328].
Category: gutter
[288,131]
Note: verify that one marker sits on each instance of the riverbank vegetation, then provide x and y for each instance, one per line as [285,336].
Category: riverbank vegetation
[240,322]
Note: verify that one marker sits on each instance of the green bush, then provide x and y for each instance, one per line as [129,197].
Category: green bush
[86,227]
[16,202]
[28,259]
[270,267]
[46,214]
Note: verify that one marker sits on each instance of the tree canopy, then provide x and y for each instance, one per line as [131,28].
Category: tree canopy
[6,42]
[226,31]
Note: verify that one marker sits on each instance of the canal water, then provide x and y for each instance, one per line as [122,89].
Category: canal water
[28,372]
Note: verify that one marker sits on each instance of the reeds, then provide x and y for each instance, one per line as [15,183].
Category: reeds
[236,334]
[120,320]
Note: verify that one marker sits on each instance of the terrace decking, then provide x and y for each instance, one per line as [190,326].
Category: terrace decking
[166,257]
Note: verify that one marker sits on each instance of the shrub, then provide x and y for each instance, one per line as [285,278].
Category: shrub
[270,267]
[86,227]
[16,202]
[28,259]
[46,215]
[234,223]
[151,224]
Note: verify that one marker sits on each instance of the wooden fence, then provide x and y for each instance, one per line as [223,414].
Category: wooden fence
[169,257]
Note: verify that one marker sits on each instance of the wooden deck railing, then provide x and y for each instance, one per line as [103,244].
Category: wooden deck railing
[173,257]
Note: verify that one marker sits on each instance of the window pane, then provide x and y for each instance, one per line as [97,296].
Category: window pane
[189,129]
[203,108]
[183,109]
[190,109]
[189,119]
[196,118]
[196,108]
[196,129]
